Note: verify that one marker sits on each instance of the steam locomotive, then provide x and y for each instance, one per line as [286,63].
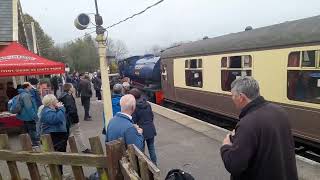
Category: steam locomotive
[144,72]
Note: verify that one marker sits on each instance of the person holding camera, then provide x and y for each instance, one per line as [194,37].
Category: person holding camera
[53,122]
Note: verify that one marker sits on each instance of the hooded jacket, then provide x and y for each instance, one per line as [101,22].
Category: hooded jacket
[143,116]
[71,107]
[262,147]
[35,94]
[52,120]
[28,106]
[116,103]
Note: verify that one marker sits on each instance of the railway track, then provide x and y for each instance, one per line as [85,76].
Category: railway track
[229,124]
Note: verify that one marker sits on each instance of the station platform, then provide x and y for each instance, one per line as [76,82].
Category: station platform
[182,142]
[198,143]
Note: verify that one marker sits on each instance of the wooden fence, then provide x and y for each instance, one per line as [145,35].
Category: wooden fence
[116,164]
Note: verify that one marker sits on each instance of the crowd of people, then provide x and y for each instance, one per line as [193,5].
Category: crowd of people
[56,114]
[260,147]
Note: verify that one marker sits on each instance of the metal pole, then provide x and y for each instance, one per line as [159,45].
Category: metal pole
[96,4]
[107,106]
[34,38]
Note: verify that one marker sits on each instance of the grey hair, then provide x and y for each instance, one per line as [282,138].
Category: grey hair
[246,85]
[127,103]
[117,88]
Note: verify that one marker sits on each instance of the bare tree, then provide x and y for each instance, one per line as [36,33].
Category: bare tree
[117,48]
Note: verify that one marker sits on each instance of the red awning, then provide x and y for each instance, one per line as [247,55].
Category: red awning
[15,60]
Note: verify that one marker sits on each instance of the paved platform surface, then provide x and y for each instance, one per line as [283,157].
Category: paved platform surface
[182,142]
[307,169]
[184,148]
[176,147]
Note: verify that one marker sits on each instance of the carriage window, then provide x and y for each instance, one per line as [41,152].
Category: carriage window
[199,63]
[164,72]
[224,62]
[236,66]
[308,59]
[294,59]
[228,76]
[193,72]
[304,84]
[247,61]
[235,62]
[193,63]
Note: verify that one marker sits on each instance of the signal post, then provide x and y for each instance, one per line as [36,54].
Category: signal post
[107,106]
[81,23]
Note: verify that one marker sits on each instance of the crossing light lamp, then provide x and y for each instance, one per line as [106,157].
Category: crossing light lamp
[82,21]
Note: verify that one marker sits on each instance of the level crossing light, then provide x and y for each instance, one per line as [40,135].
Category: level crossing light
[82,21]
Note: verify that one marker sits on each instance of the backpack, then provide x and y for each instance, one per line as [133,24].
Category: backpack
[177,174]
[15,105]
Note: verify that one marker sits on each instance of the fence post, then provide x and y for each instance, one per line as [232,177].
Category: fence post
[26,145]
[153,170]
[77,170]
[133,158]
[144,171]
[115,150]
[48,147]
[127,172]
[4,144]
[96,148]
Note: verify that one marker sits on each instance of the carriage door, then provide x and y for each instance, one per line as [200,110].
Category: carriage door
[167,79]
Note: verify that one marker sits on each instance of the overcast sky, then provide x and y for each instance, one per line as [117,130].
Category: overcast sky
[169,22]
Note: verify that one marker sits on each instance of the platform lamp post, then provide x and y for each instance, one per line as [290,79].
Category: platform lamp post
[82,22]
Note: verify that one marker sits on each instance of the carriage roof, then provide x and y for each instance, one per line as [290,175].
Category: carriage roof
[292,33]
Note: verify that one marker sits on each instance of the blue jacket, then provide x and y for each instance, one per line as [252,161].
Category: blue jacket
[52,120]
[116,103]
[143,116]
[115,100]
[29,107]
[36,97]
[120,126]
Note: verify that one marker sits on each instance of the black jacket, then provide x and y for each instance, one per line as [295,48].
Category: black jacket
[71,107]
[11,92]
[143,116]
[97,83]
[54,82]
[263,146]
[85,88]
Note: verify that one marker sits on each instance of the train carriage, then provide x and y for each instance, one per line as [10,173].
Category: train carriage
[284,58]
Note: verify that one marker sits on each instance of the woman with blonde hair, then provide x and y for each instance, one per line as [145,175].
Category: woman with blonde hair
[53,122]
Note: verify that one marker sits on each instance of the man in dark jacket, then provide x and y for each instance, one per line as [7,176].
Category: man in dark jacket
[54,84]
[97,85]
[143,117]
[72,116]
[261,146]
[86,93]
